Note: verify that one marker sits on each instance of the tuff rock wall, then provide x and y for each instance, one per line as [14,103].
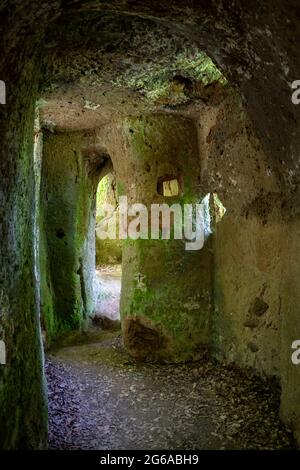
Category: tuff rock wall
[256,46]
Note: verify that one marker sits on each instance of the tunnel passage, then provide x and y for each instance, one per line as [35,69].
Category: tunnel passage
[258,53]
[71,169]
[68,202]
[184,300]
[108,251]
[108,257]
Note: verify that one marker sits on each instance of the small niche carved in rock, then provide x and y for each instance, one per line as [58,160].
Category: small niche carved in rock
[60,233]
[258,307]
[168,186]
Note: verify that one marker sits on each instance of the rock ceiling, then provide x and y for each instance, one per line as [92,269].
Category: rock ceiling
[107,65]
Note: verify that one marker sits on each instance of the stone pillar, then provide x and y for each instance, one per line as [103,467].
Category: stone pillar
[67,254]
[166,290]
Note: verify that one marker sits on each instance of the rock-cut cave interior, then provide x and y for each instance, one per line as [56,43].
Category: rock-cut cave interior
[138,341]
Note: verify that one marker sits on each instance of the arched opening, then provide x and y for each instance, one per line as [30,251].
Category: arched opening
[108,259]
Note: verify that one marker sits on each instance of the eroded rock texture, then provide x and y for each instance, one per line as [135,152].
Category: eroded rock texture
[108,67]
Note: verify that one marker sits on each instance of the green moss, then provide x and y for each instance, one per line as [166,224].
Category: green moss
[120,189]
[103,190]
[23,413]
[171,292]
[189,195]
[173,318]
[108,251]
[67,257]
[136,132]
[157,84]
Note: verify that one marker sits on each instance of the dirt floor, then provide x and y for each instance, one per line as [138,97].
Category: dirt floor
[100,399]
